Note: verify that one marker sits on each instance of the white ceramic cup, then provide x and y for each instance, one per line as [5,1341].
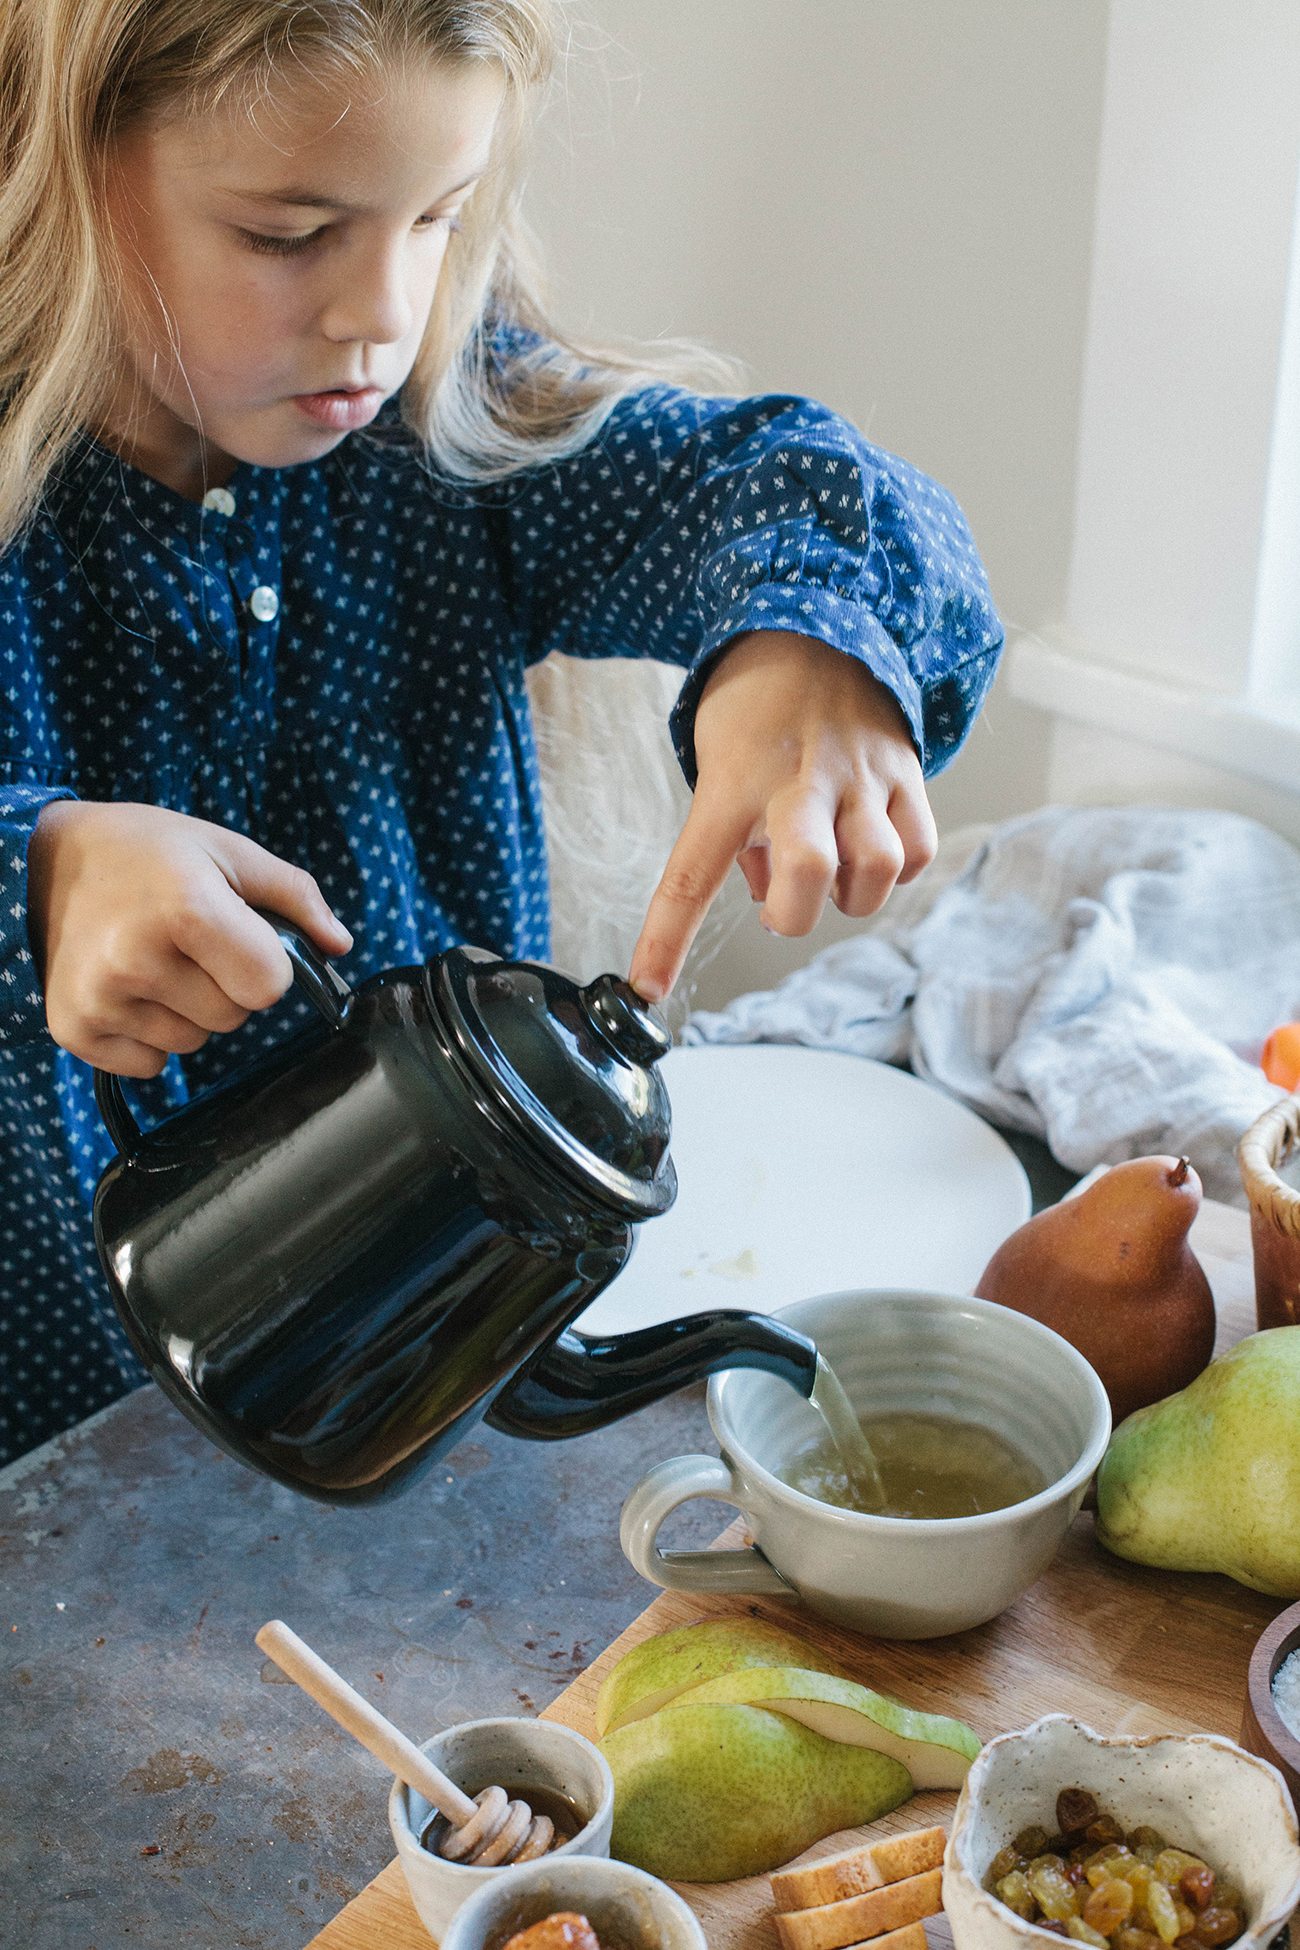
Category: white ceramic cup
[513,1754]
[623,1905]
[895,1577]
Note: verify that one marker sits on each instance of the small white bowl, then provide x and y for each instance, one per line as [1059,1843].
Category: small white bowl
[514,1754]
[623,1905]
[1202,1792]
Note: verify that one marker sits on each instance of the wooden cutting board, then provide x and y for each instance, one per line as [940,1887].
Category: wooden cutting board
[1126,1649]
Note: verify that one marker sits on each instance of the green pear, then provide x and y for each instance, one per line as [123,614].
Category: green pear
[1209,1479]
[708,1793]
[936,1752]
[655,1671]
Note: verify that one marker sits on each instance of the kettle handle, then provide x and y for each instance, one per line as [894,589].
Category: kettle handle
[322,985]
[319,981]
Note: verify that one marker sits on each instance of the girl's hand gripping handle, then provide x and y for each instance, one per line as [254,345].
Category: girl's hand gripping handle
[143,927]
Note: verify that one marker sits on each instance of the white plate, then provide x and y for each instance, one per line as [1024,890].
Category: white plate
[805,1172]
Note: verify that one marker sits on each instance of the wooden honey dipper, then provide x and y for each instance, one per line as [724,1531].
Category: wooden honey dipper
[483,1833]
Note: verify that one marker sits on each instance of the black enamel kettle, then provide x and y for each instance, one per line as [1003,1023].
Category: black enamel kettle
[342,1257]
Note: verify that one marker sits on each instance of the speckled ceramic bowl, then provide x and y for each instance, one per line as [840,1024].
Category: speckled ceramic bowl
[1202,1792]
[623,1905]
[513,1753]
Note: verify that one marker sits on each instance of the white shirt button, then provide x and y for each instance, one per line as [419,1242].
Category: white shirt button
[219,501]
[264,603]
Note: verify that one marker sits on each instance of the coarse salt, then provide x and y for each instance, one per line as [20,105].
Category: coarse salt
[1286,1692]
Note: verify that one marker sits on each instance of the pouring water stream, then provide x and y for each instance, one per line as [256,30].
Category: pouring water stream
[855,1452]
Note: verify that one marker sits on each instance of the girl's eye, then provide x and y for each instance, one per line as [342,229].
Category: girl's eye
[258,240]
[270,246]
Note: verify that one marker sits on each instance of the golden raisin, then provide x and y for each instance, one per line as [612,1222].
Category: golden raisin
[1013,1890]
[1145,1838]
[1171,1862]
[1109,1906]
[1215,1925]
[1084,1933]
[1002,1864]
[1056,1897]
[1100,1866]
[1131,1938]
[1163,1914]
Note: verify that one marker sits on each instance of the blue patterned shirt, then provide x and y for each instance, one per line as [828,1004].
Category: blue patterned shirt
[330,658]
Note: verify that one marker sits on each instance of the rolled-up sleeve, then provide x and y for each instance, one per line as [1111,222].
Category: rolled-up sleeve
[22,1006]
[692,521]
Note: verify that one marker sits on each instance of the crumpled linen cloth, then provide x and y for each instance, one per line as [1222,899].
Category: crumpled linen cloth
[1101,977]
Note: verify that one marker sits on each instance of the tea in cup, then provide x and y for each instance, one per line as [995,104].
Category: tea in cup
[927,1358]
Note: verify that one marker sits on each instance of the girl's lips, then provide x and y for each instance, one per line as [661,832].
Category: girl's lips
[341,411]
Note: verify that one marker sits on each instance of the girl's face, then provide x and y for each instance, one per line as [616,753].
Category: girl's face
[279,267]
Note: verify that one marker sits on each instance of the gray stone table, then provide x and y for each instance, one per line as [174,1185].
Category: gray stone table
[154,1789]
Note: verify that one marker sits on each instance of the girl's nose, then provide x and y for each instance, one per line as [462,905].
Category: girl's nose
[369,301]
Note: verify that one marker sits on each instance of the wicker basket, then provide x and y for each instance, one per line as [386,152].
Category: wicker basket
[1274,1213]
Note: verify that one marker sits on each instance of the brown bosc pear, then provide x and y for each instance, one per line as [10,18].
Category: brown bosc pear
[1111,1272]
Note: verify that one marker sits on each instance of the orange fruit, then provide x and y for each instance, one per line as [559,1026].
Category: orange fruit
[1281,1059]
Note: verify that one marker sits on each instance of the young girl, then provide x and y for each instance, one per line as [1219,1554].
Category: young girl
[295,484]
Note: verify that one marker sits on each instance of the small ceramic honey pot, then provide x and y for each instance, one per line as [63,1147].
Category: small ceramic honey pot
[1274,1213]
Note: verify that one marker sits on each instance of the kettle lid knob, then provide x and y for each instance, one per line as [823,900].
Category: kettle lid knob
[574,1071]
[633,1027]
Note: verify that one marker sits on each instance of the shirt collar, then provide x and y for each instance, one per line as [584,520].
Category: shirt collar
[95,485]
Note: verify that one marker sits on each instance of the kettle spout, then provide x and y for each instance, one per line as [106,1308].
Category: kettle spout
[581,1382]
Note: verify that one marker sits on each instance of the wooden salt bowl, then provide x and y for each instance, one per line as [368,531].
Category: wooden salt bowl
[1263,1730]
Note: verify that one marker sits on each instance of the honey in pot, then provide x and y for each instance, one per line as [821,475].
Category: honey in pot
[565,1815]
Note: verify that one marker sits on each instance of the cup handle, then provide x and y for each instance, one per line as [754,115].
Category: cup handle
[655,1497]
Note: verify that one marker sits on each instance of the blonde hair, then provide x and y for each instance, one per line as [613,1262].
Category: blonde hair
[74,73]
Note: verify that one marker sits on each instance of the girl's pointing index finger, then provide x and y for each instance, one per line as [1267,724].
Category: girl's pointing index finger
[697,866]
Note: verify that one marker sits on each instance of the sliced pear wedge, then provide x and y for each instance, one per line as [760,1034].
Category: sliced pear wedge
[657,1670]
[711,1793]
[937,1752]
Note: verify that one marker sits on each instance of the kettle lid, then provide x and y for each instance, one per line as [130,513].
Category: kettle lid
[574,1066]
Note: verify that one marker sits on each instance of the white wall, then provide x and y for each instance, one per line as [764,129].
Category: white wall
[1195,213]
[888,207]
[1175,672]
